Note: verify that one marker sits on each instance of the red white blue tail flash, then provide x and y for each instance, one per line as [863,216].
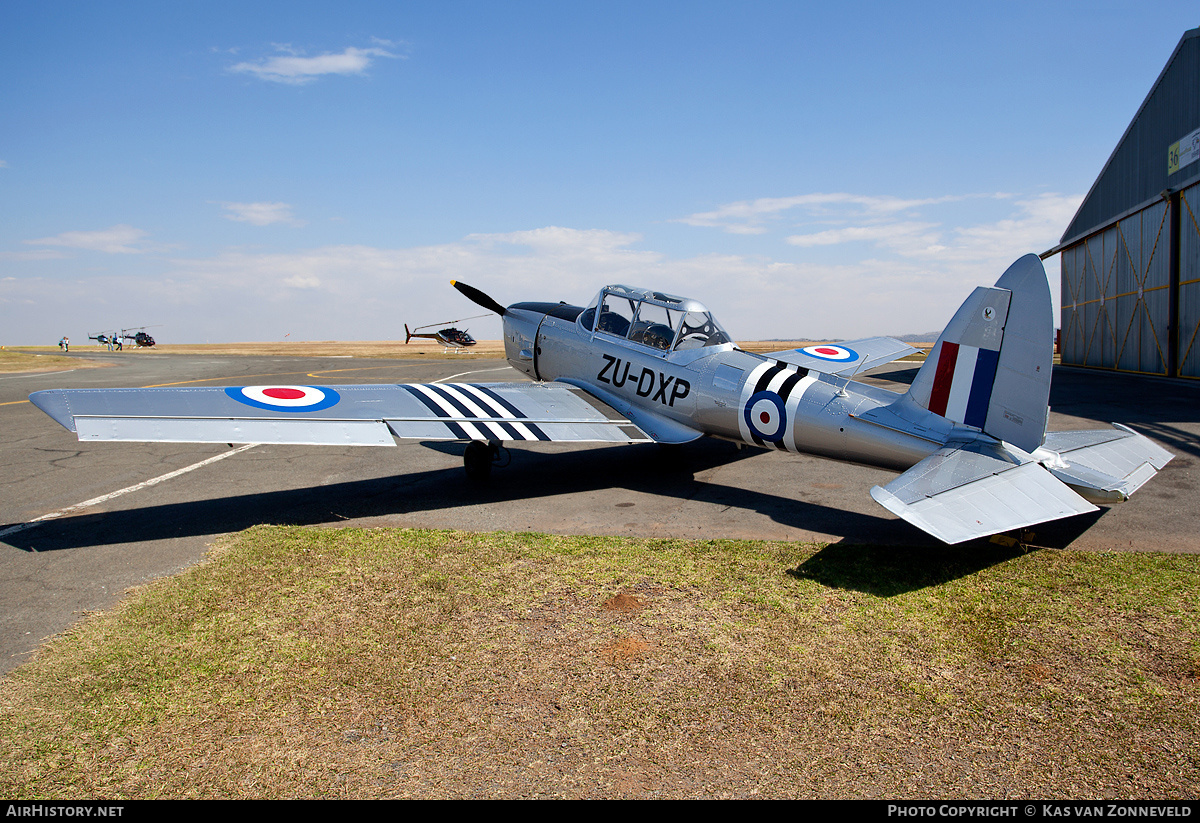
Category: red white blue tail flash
[962,383]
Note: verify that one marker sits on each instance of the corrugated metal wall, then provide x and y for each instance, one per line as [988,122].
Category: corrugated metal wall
[1116,293]
[1115,290]
[1189,282]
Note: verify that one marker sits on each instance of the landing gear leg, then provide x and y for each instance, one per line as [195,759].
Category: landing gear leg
[478,458]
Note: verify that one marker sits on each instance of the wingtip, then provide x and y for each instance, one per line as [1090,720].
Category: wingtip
[54,403]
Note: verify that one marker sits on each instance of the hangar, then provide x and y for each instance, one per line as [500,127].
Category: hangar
[1131,254]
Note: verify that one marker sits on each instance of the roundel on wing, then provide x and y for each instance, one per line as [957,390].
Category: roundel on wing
[765,416]
[839,354]
[285,398]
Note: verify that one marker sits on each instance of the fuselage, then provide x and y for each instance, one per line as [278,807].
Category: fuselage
[679,393]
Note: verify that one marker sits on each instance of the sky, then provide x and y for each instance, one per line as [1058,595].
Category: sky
[264,171]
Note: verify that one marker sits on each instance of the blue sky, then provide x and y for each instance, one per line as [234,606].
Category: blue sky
[316,171]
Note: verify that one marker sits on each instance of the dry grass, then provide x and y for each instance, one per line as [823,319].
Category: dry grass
[16,361]
[386,663]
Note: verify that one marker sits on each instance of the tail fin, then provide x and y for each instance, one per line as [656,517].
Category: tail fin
[991,367]
[407,334]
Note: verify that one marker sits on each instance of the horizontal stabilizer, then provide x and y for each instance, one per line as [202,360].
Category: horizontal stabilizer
[1105,466]
[976,489]
[845,358]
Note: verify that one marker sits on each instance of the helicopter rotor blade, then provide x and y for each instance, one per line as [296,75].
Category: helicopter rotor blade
[479,298]
[447,322]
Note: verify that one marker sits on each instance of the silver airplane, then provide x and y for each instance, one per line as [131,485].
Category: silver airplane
[968,437]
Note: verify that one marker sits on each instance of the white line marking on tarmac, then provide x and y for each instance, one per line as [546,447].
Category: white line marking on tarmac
[95,501]
[38,374]
[465,373]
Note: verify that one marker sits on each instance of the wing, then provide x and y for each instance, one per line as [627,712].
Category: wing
[968,490]
[850,357]
[341,415]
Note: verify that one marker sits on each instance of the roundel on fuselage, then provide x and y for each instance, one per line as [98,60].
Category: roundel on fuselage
[766,416]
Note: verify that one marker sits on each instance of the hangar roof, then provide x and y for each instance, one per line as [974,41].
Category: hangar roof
[1138,170]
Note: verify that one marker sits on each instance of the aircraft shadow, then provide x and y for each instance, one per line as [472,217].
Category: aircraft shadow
[922,561]
[1166,410]
[531,475]
[870,543]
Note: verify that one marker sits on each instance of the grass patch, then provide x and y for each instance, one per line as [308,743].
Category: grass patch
[22,361]
[412,663]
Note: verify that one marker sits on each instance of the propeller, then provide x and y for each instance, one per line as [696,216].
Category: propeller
[479,298]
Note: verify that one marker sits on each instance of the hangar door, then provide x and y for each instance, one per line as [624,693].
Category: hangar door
[1189,282]
[1116,295]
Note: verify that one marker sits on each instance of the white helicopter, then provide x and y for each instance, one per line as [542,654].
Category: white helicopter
[968,437]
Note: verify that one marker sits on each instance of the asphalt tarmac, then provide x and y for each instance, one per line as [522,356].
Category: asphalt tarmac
[122,514]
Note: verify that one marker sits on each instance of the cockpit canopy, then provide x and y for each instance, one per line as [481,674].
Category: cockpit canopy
[660,321]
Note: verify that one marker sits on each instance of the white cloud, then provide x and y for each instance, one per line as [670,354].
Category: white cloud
[295,69]
[974,228]
[883,264]
[261,214]
[894,271]
[903,237]
[522,265]
[1038,223]
[750,216]
[120,239]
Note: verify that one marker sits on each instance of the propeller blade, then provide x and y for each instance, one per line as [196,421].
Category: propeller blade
[479,298]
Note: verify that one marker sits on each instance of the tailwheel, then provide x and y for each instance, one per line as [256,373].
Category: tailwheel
[478,458]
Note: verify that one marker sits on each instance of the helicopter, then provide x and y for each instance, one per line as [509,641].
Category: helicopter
[451,338]
[142,340]
[107,338]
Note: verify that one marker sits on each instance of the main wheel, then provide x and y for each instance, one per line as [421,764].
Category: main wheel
[477,460]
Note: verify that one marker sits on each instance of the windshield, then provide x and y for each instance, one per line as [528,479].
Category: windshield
[658,321]
[655,326]
[616,315]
